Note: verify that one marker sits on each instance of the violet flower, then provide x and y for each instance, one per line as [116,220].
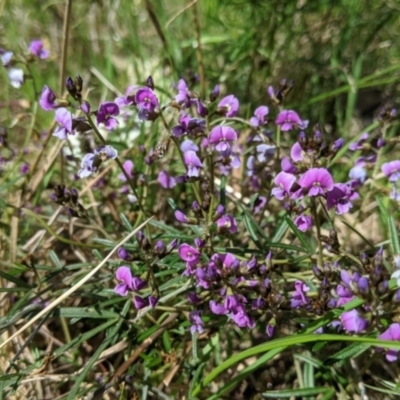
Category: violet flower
[147,103]
[48,99]
[392,170]
[299,297]
[196,321]
[139,302]
[6,57]
[217,309]
[36,48]
[227,223]
[358,145]
[106,113]
[193,163]
[64,120]
[288,120]
[129,98]
[183,96]
[316,181]
[189,145]
[221,136]
[128,166]
[353,322]
[265,152]
[284,181]
[259,116]
[124,277]
[340,197]
[303,222]
[189,254]
[392,333]
[166,181]
[228,106]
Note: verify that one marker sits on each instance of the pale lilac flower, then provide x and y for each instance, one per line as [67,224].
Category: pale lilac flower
[183,96]
[166,181]
[288,166]
[106,113]
[188,125]
[316,181]
[6,57]
[124,277]
[353,322]
[87,167]
[259,116]
[395,193]
[288,120]
[358,173]
[193,163]
[106,152]
[228,106]
[36,48]
[358,145]
[221,136]
[64,120]
[189,145]
[392,170]
[181,217]
[128,99]
[299,297]
[227,223]
[392,333]
[16,76]
[48,100]
[297,153]
[265,152]
[303,222]
[128,166]
[284,182]
[196,321]
[91,161]
[147,103]
[217,309]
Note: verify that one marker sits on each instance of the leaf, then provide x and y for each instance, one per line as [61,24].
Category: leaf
[394,238]
[281,394]
[280,231]
[298,234]
[252,231]
[351,351]
[125,222]
[17,281]
[83,312]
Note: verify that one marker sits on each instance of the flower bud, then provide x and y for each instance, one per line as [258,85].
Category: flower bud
[214,94]
[383,287]
[150,82]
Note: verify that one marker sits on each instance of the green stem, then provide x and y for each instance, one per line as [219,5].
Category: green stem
[318,226]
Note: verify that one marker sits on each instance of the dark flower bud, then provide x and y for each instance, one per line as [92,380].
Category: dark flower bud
[150,82]
[140,237]
[396,297]
[128,378]
[214,94]
[159,248]
[383,287]
[364,259]
[201,109]
[85,107]
[317,272]
[318,137]
[79,83]
[123,254]
[302,139]
[363,286]
[337,145]
[153,300]
[378,259]
[200,243]
[196,207]
[74,195]
[219,212]
[376,276]
[172,245]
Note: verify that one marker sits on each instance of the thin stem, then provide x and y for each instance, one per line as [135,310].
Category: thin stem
[63,61]
[199,53]
[318,226]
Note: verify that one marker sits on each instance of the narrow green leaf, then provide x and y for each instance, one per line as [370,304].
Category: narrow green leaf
[252,231]
[283,227]
[281,394]
[17,281]
[55,259]
[351,351]
[166,341]
[394,237]
[83,312]
[298,234]
[125,222]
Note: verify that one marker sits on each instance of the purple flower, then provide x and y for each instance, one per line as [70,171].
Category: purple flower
[189,254]
[340,197]
[227,223]
[123,254]
[181,217]
[189,145]
[196,321]
[128,166]
[265,152]
[392,333]
[129,97]
[192,162]
[259,116]
[91,161]
[6,57]
[36,48]
[124,277]
[358,145]
[87,167]
[241,318]
[228,106]
[48,100]
[217,309]
[183,96]
[259,204]
[353,322]
[288,166]
[284,181]
[106,113]
[165,180]
[16,76]
[139,302]
[392,170]
[106,152]
[288,120]
[316,181]
[64,120]
[358,173]
[147,103]
[220,136]
[24,168]
[188,125]
[303,222]
[299,297]
[297,153]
